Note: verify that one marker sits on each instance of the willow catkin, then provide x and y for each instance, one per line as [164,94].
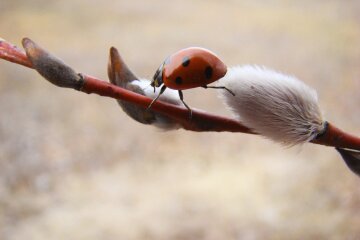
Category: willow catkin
[277,106]
[170,96]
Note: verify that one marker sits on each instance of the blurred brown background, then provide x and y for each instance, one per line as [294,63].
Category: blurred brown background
[73,166]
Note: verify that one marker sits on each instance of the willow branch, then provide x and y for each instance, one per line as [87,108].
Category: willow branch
[60,74]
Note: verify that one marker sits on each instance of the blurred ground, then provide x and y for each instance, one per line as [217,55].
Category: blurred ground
[73,166]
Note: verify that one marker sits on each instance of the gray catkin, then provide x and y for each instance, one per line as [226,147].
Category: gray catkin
[277,106]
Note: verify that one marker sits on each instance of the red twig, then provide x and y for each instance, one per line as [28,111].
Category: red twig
[62,75]
[47,65]
[13,54]
[200,121]
[336,137]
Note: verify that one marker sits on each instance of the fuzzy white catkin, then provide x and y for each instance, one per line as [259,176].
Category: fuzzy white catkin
[169,96]
[275,105]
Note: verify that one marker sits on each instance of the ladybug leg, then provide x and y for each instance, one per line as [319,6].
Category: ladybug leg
[154,100]
[220,87]
[182,100]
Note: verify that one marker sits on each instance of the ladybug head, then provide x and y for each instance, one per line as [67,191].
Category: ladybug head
[157,80]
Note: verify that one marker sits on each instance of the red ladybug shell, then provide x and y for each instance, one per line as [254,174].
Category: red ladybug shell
[192,67]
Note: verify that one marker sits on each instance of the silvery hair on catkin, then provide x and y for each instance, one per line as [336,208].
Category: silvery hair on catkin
[277,106]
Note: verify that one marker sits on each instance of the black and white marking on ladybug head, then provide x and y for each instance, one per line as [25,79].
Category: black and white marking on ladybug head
[157,80]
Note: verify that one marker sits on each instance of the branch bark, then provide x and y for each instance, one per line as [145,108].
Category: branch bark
[58,73]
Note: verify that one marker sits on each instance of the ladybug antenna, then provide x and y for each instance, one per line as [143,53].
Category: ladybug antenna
[152,84]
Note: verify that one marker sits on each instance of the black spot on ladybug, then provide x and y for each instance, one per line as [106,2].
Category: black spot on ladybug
[178,80]
[208,72]
[186,61]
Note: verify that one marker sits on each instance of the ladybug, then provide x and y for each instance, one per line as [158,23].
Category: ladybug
[189,68]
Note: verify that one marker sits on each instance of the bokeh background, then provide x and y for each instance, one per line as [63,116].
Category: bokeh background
[74,166]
